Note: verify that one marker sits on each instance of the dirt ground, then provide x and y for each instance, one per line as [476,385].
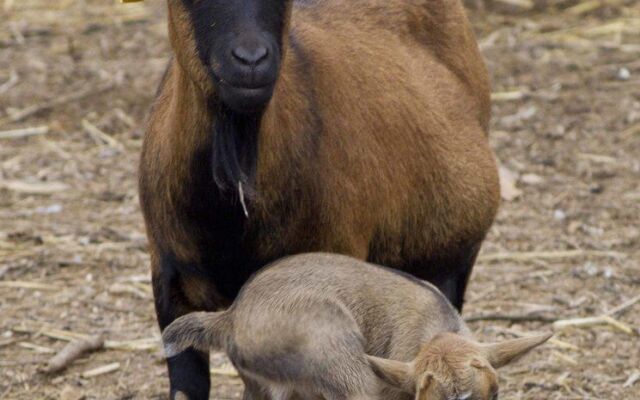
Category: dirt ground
[73,259]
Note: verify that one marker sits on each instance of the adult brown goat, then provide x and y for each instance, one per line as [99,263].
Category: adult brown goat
[356,127]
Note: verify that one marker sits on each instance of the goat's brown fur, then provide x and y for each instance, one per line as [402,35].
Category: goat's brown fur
[374,145]
[403,147]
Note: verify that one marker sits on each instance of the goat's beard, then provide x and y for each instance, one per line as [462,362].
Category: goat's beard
[234,154]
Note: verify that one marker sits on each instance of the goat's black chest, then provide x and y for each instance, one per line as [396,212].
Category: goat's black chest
[221,182]
[231,246]
[220,229]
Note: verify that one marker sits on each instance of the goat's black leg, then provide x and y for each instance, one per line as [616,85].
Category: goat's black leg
[454,274]
[449,273]
[189,370]
[189,375]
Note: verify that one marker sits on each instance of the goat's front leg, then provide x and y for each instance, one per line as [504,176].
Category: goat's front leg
[176,294]
[189,375]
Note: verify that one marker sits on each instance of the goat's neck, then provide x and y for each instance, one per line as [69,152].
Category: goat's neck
[288,124]
[189,113]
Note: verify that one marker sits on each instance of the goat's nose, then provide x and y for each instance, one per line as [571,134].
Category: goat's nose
[250,56]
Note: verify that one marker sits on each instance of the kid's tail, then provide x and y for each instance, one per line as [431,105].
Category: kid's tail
[200,330]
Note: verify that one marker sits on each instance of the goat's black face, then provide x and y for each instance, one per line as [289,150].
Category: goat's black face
[240,43]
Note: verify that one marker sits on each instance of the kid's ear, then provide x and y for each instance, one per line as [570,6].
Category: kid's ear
[500,354]
[397,374]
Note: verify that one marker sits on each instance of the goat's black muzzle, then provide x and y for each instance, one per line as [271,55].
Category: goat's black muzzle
[247,75]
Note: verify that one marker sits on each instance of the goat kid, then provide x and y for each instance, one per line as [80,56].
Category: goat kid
[326,326]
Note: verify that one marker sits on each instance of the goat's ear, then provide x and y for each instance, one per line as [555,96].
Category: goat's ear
[397,374]
[500,354]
